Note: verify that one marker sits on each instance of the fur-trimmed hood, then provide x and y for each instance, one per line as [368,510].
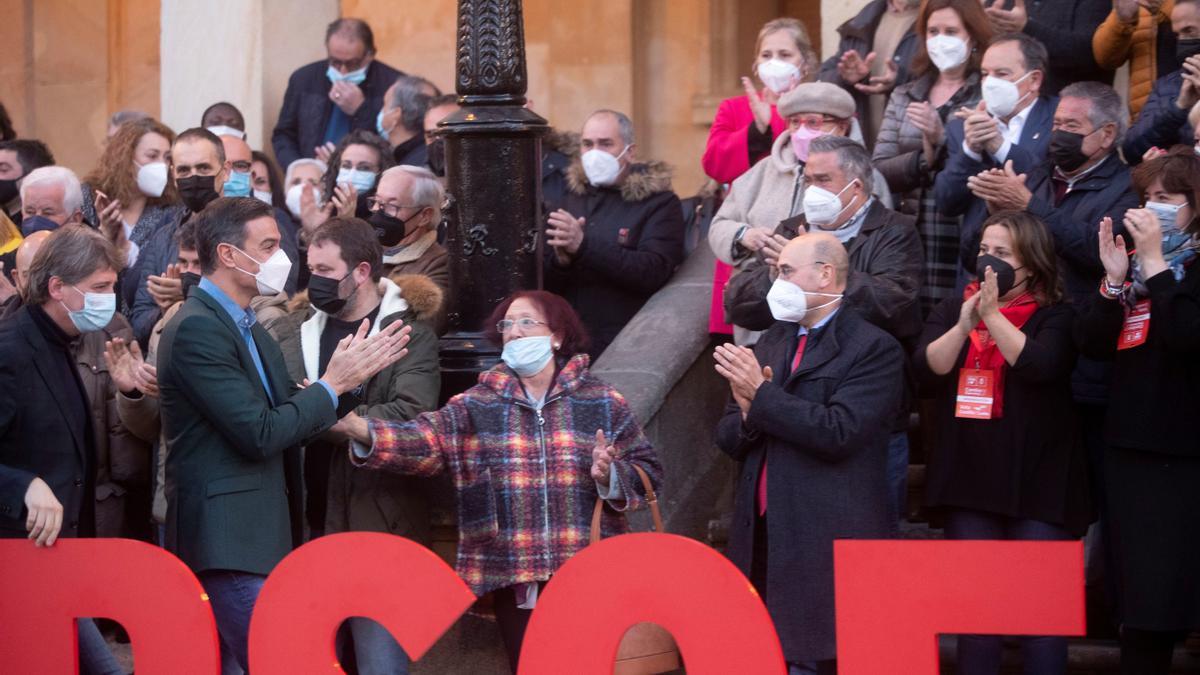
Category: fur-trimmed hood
[419,293]
[566,142]
[642,181]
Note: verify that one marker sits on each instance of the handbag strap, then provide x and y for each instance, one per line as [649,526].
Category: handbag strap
[651,499]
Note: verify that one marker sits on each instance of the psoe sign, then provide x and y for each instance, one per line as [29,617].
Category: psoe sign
[893,598]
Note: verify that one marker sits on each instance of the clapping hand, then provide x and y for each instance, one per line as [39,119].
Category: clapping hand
[313,216]
[602,456]
[166,289]
[565,234]
[1003,190]
[740,366]
[881,84]
[359,357]
[345,200]
[853,68]
[1113,254]
[989,295]
[1008,20]
[124,360]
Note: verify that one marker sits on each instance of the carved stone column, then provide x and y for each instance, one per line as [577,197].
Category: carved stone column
[493,176]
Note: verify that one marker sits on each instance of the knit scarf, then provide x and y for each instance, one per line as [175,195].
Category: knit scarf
[983,353]
[1179,250]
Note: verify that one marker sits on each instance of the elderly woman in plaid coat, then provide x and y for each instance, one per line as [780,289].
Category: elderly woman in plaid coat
[530,449]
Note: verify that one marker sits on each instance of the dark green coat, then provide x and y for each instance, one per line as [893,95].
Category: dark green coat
[233,470]
[379,501]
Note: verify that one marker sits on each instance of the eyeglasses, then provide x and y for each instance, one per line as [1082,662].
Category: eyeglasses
[505,325]
[813,121]
[375,204]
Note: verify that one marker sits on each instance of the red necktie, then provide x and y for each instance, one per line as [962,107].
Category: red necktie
[762,474]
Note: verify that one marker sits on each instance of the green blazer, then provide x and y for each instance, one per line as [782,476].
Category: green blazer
[233,472]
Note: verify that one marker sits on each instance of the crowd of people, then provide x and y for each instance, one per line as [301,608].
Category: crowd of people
[952,220]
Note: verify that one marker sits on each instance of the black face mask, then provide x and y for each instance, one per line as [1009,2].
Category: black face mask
[196,191]
[323,294]
[8,190]
[1006,275]
[1066,150]
[189,280]
[1185,48]
[437,157]
[390,229]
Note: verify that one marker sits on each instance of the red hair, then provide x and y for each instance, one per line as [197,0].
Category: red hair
[561,318]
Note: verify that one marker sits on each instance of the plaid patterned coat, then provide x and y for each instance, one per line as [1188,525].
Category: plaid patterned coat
[524,489]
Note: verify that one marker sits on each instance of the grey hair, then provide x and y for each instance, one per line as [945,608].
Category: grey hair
[122,116]
[834,254]
[410,98]
[624,124]
[56,175]
[71,253]
[1106,105]
[304,161]
[426,190]
[853,158]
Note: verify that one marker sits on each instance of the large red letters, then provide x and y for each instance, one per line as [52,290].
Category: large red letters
[893,599]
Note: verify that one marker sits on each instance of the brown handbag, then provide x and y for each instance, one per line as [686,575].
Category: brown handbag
[647,648]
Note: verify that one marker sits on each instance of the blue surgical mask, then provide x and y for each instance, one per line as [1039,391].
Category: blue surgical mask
[237,185]
[1167,214]
[97,312]
[353,77]
[527,356]
[379,125]
[361,180]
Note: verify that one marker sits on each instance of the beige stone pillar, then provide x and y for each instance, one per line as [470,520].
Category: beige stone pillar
[240,51]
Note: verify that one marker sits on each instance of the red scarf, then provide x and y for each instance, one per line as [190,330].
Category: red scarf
[983,353]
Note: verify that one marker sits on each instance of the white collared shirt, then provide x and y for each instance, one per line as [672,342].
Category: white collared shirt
[1010,133]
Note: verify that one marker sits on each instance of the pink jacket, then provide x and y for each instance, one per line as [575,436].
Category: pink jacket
[727,154]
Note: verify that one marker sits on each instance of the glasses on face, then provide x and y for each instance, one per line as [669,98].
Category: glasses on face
[375,204]
[505,325]
[813,122]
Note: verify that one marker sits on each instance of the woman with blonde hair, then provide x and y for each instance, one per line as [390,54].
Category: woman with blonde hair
[747,125]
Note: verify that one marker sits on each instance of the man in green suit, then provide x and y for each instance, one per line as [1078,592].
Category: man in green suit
[234,420]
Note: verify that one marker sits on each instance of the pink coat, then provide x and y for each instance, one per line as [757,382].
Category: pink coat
[727,154]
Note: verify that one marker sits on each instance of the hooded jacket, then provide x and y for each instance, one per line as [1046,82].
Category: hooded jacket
[375,501]
[632,243]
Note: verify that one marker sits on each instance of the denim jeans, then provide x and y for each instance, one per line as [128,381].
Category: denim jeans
[375,650]
[232,595]
[897,475]
[95,658]
[980,654]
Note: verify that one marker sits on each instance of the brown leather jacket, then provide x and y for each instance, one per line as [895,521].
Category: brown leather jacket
[122,459]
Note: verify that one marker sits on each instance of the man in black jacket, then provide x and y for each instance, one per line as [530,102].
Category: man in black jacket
[809,424]
[328,99]
[47,442]
[617,236]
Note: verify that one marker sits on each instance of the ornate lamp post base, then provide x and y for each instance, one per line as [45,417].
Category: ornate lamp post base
[493,175]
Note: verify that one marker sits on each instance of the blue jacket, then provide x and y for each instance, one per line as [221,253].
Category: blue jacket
[950,186]
[1074,223]
[1161,122]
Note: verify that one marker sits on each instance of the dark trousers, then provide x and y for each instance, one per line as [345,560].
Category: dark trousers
[512,621]
[980,654]
[1147,652]
[758,578]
